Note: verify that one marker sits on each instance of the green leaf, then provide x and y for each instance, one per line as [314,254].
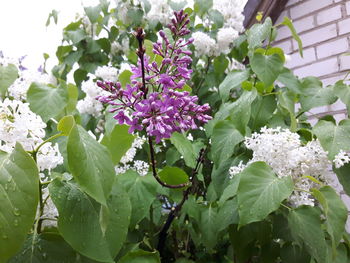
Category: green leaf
[72,98]
[342,91]
[90,164]
[292,253]
[231,189]
[124,77]
[184,260]
[232,80]
[185,148]
[313,95]
[8,75]
[262,110]
[335,211]
[216,17]
[173,175]
[224,139]
[332,137]
[66,124]
[342,254]
[140,256]
[19,195]
[118,142]
[47,101]
[287,22]
[343,174]
[208,224]
[260,192]
[267,68]
[75,36]
[305,226]
[48,247]
[286,100]
[135,15]
[228,214]
[220,65]
[84,223]
[238,111]
[142,192]
[291,82]
[93,13]
[202,6]
[258,33]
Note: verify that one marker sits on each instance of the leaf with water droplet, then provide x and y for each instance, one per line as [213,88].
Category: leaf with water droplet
[19,184]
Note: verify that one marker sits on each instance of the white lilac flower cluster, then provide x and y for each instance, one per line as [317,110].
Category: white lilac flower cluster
[341,159]
[19,124]
[233,25]
[127,162]
[283,151]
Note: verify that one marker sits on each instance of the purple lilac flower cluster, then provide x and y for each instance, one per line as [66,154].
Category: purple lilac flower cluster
[157,101]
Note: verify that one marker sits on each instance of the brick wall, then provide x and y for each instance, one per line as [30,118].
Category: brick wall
[324,27]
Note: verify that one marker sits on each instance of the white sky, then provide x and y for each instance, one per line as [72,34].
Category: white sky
[23,31]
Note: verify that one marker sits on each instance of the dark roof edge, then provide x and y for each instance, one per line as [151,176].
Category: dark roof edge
[271,8]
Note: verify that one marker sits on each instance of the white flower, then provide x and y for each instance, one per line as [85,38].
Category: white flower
[90,104]
[283,151]
[107,73]
[160,11]
[232,12]
[141,167]
[225,37]
[204,44]
[19,124]
[128,162]
[341,158]
[49,157]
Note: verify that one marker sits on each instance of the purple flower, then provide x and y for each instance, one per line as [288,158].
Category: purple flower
[161,108]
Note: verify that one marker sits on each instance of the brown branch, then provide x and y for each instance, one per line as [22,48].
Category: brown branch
[175,210]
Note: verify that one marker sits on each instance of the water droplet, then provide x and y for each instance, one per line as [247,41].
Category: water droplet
[9,179]
[4,236]
[116,210]
[15,222]
[16,212]
[44,256]
[6,187]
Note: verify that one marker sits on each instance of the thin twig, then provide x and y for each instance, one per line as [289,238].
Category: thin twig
[175,210]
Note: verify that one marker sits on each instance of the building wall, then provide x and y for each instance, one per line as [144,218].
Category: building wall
[324,28]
